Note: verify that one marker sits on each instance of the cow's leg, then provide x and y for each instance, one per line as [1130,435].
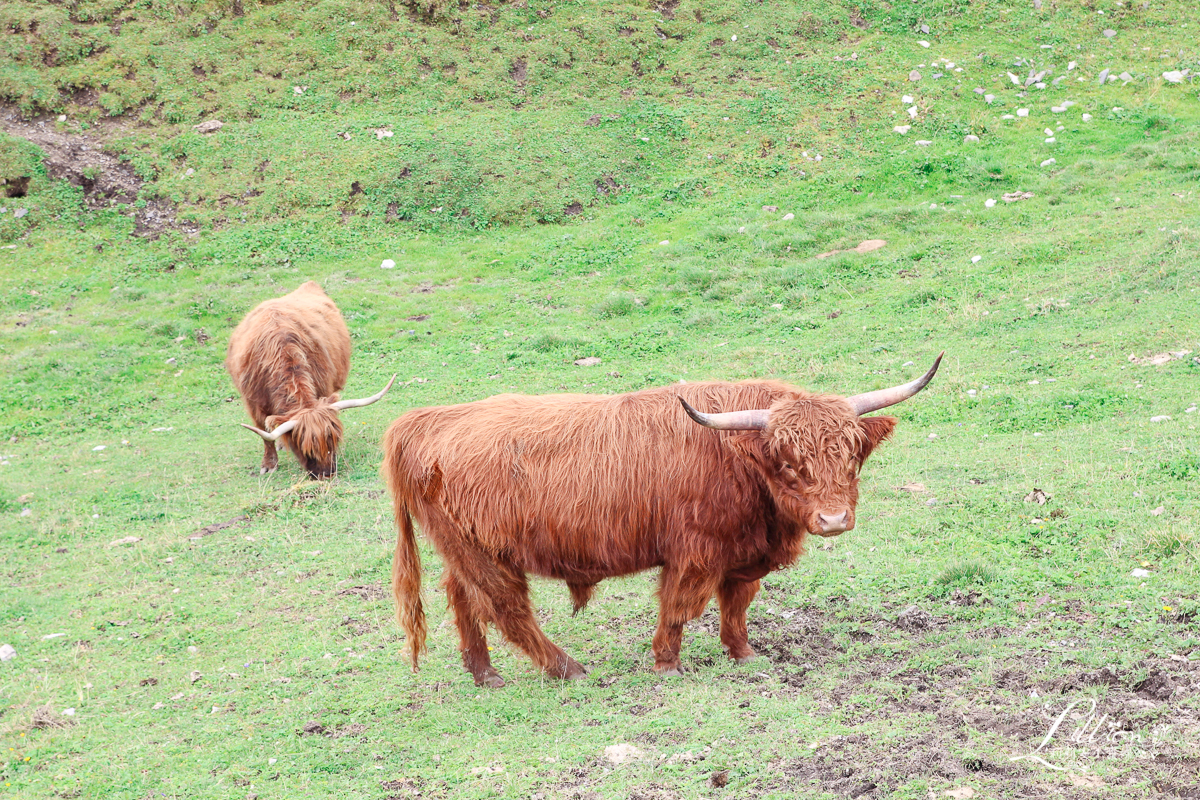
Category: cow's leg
[500,594]
[472,634]
[734,597]
[682,596]
[513,615]
[270,458]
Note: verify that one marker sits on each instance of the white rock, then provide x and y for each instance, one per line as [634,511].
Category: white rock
[1050,140]
[742,229]
[620,753]
[1016,81]
[786,217]
[1140,573]
[590,361]
[1160,418]
[971,392]
[912,112]
[1125,76]
[1109,33]
[125,540]
[665,242]
[382,133]
[1087,117]
[1174,76]
[1072,65]
[989,203]
[1057,109]
[923,43]
[987,98]
[1048,132]
[969,138]
[1048,162]
[1008,116]
[932,436]
[1022,112]
[98,448]
[923,143]
[26,512]
[914,76]
[7,652]
[68,712]
[733,38]
[908,98]
[387,263]
[976,259]
[1157,512]
[1067,103]
[50,636]
[902,129]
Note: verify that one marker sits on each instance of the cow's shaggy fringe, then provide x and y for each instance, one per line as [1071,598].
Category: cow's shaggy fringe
[582,487]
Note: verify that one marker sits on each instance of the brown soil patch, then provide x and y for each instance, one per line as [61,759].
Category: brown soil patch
[81,159]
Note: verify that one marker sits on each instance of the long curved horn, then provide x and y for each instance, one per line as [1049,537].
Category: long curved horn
[275,434]
[366,401]
[882,398]
[752,420]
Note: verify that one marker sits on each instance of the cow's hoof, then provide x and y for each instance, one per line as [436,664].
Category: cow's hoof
[490,679]
[675,671]
[569,669]
[746,658]
[265,470]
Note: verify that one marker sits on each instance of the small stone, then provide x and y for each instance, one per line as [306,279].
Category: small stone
[908,98]
[770,209]
[98,448]
[210,126]
[1048,162]
[664,242]
[742,229]
[914,76]
[387,263]
[988,98]
[383,133]
[1157,512]
[620,753]
[976,259]
[1072,65]
[1140,573]
[190,172]
[7,652]
[20,212]
[62,117]
[1174,76]
[124,541]
[914,619]
[912,112]
[1125,76]
[969,138]
[1022,112]
[26,512]
[786,217]
[1103,77]
[1057,109]
[978,90]
[1050,140]
[1008,116]
[989,203]
[925,29]
[923,43]
[923,142]
[1087,117]
[1016,81]
[902,129]
[1160,418]
[1109,33]
[590,361]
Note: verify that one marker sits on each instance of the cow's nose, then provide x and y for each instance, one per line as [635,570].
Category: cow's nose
[833,523]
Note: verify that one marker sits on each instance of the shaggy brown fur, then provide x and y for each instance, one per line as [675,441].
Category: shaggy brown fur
[582,488]
[289,358]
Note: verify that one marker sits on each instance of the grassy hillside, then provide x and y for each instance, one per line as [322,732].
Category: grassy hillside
[630,182]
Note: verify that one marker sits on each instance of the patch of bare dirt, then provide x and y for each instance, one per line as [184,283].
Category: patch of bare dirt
[82,160]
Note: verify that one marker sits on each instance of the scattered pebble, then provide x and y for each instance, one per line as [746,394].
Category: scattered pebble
[902,129]
[1008,116]
[1087,117]
[912,112]
[1160,418]
[1048,162]
[1173,76]
[987,98]
[7,652]
[1072,65]
[1050,140]
[989,203]
[98,448]
[382,133]
[1103,76]
[1022,112]
[25,512]
[786,217]
[126,540]
[50,636]
[914,76]
[68,712]
[1109,33]
[665,242]
[923,43]
[590,361]
[1157,512]
[907,99]
[923,142]
[20,212]
[1140,573]
[969,138]
[976,259]
[742,229]
[210,126]
[387,263]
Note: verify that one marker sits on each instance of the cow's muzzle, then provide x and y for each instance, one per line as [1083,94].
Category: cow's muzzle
[833,524]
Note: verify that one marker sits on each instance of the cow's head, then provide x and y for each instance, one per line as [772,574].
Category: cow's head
[810,449]
[314,433]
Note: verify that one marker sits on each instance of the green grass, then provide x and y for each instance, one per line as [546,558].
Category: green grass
[525,239]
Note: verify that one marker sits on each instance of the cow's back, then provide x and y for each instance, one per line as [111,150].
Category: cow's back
[290,350]
[605,484]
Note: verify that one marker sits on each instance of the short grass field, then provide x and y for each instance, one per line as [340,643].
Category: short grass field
[653,184]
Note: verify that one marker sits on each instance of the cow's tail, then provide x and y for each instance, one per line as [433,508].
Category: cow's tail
[406,563]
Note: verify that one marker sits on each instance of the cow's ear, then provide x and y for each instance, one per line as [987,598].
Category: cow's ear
[876,429]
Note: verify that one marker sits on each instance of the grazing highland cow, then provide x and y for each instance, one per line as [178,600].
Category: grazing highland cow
[289,358]
[583,487]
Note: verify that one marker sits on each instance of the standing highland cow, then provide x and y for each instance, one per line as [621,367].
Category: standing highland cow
[583,487]
[289,358]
